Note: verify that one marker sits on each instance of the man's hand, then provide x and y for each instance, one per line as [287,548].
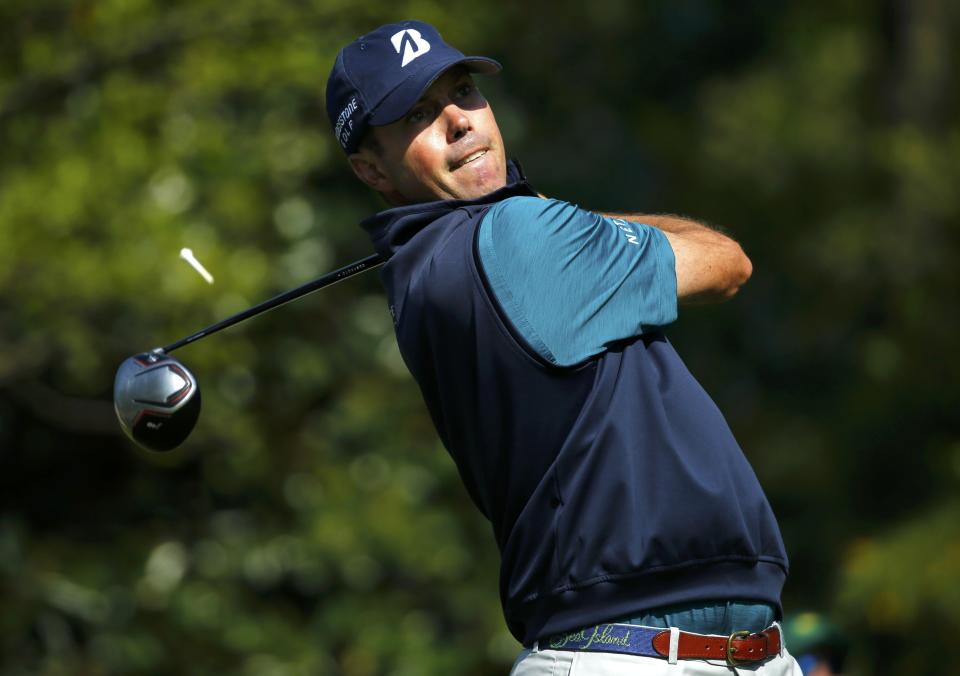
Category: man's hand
[710,266]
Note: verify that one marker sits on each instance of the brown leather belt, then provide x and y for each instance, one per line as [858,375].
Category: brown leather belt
[739,648]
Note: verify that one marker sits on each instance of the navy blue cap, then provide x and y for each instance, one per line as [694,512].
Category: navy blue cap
[378,77]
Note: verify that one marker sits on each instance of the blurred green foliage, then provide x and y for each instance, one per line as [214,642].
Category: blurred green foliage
[313,524]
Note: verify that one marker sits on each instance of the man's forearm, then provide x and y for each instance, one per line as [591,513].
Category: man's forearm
[710,265]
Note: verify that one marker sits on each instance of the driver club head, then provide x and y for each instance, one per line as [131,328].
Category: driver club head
[157,400]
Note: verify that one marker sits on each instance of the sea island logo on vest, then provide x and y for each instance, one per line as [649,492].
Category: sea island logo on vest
[411,43]
[344,126]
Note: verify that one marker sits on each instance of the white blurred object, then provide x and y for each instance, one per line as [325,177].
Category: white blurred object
[187,255]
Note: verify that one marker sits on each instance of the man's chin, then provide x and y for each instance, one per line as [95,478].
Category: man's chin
[480,186]
[474,192]
[457,186]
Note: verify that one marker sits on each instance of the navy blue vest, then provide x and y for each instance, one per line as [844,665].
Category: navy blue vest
[612,487]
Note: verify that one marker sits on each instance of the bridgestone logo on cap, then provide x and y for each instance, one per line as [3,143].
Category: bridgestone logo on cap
[412,44]
[344,119]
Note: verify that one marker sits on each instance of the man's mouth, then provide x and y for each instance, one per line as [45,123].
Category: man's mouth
[472,157]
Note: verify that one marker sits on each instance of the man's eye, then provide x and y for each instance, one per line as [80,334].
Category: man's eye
[418,115]
[466,89]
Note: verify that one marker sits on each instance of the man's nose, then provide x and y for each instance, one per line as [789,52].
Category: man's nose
[458,124]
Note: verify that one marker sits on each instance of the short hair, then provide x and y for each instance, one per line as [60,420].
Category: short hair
[370,142]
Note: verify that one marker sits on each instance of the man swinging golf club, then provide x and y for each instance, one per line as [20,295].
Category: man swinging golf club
[633,533]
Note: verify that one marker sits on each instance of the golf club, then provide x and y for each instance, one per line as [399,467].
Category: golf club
[157,399]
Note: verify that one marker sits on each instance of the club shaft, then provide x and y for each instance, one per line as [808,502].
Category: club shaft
[355,268]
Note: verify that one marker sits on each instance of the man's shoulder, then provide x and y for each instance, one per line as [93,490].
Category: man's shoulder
[526,206]
[517,219]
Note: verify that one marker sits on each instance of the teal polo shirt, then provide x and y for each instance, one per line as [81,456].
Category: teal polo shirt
[572,281]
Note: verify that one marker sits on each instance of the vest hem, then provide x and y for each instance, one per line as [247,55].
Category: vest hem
[605,600]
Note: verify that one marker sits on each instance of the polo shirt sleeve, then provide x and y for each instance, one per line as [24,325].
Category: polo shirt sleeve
[571,281]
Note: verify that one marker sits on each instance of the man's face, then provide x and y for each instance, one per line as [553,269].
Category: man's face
[448,146]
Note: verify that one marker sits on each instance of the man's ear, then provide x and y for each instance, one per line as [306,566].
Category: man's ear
[366,165]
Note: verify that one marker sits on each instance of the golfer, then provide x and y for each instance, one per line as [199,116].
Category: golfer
[634,536]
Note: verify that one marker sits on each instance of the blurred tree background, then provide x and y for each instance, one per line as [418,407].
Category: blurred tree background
[313,524]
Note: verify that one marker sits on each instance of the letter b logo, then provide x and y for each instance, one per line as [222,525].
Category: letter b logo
[411,43]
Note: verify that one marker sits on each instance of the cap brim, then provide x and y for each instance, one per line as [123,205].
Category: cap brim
[398,103]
